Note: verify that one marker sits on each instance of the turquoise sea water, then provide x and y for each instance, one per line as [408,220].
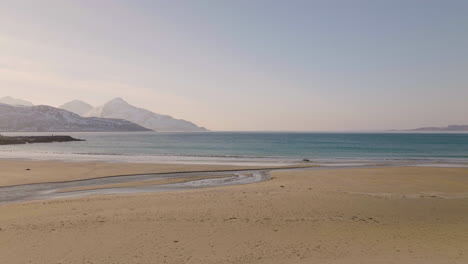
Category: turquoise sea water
[219,146]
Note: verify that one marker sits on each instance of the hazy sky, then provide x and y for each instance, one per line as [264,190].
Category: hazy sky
[246,64]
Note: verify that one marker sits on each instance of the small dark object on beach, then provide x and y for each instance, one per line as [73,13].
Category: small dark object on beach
[282,186]
[28,169]
[176,241]
[306,160]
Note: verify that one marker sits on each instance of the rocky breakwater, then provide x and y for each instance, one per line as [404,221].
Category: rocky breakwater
[5,140]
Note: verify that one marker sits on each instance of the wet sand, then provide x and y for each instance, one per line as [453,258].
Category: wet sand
[130,184]
[14,172]
[373,215]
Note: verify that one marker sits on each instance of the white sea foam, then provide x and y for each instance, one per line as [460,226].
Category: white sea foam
[213,160]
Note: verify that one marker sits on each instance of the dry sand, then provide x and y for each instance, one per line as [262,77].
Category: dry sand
[379,215]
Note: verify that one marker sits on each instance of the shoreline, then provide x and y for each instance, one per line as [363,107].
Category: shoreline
[146,183]
[228,160]
[17,172]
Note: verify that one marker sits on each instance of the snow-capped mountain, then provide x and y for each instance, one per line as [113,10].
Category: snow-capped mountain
[44,118]
[76,106]
[14,101]
[118,108]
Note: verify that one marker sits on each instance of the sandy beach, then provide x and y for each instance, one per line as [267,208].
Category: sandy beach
[372,215]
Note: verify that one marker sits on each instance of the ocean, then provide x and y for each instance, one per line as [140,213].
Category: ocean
[256,148]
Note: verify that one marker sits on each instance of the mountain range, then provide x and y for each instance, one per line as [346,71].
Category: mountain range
[451,128]
[115,115]
[76,106]
[43,118]
[112,111]
[118,108]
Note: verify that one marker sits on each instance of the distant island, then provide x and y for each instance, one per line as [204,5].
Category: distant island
[4,140]
[451,128]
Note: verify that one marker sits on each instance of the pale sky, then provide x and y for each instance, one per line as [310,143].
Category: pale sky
[251,65]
